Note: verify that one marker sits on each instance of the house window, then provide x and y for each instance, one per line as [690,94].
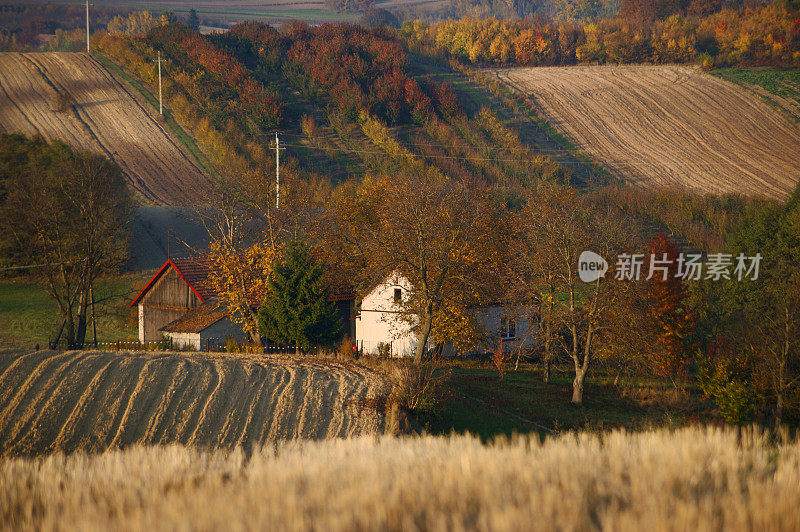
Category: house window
[508,329]
[398,295]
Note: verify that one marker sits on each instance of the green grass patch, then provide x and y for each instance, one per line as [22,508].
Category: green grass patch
[177,131]
[28,315]
[480,403]
[780,82]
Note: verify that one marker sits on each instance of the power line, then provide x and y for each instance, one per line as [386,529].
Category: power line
[349,150]
[570,151]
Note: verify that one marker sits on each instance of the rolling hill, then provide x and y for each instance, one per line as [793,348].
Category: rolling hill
[73,98]
[91,401]
[668,126]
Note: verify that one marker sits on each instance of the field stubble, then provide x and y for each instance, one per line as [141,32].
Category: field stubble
[668,126]
[690,479]
[71,97]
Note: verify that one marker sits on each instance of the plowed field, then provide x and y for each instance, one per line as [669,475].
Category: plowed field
[92,401]
[668,126]
[73,98]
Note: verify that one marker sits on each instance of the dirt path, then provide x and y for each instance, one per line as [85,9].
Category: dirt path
[668,125]
[99,114]
[92,401]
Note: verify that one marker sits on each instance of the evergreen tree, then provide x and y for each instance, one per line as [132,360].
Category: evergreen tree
[296,310]
[194,20]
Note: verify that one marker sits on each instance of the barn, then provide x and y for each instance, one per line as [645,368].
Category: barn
[179,302]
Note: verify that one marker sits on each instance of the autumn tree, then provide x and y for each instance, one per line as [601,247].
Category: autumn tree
[193,21]
[242,252]
[532,274]
[65,213]
[434,231]
[765,317]
[665,299]
[563,224]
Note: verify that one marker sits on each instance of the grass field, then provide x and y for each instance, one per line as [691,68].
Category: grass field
[29,316]
[690,479]
[477,401]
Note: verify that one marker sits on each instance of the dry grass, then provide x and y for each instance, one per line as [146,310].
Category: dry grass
[668,126]
[92,401]
[693,479]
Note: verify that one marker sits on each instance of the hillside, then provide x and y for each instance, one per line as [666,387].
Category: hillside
[668,125]
[73,98]
[91,401]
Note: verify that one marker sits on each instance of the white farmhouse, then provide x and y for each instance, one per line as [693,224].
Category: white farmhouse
[380,329]
[378,322]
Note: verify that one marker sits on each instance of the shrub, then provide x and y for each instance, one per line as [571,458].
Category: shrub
[418,386]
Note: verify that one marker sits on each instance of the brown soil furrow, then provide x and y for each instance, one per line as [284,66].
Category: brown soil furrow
[54,402]
[154,379]
[128,396]
[86,399]
[668,125]
[222,405]
[106,116]
[284,420]
[259,426]
[253,423]
[13,375]
[202,404]
[189,407]
[89,401]
[241,414]
[45,372]
[164,416]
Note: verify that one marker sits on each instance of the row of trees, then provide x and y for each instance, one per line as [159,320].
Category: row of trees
[358,69]
[768,34]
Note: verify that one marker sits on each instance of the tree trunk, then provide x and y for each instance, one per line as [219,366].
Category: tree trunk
[70,329]
[425,332]
[547,351]
[80,331]
[577,386]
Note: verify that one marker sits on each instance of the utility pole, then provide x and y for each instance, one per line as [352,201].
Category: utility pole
[278,171]
[88,49]
[160,100]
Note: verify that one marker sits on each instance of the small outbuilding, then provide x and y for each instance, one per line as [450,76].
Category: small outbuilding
[178,302]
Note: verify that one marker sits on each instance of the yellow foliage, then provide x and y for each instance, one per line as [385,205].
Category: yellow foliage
[241,278]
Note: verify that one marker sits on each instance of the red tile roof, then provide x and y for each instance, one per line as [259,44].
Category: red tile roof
[198,319]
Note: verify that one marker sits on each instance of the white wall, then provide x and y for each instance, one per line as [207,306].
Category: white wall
[378,320]
[490,321]
[185,340]
[217,334]
[141,322]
